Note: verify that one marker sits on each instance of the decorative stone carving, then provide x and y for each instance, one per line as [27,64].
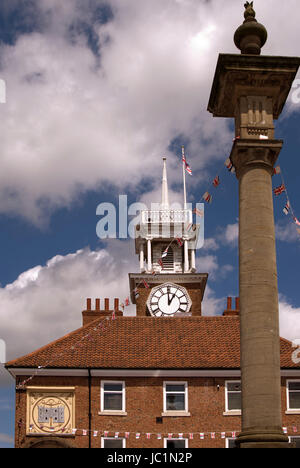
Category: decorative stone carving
[251,36]
[254,117]
[50,410]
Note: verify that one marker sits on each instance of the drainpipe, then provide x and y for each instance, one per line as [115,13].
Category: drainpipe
[90,408]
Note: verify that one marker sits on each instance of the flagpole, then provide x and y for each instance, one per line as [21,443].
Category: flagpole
[184,182]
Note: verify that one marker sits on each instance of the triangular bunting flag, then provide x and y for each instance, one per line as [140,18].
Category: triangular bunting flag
[216,181]
[277,170]
[229,165]
[287,208]
[207,197]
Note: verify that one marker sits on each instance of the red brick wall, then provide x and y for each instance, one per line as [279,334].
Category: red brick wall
[144,403]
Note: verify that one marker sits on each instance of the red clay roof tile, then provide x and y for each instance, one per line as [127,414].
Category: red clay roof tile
[149,343]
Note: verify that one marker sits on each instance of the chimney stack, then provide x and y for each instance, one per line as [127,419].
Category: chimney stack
[89,315]
[230,311]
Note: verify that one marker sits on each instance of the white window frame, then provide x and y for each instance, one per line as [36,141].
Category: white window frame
[186,441]
[291,410]
[235,412]
[113,438]
[184,412]
[293,437]
[108,411]
[228,439]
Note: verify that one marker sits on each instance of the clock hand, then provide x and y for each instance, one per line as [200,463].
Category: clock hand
[168,291]
[172,299]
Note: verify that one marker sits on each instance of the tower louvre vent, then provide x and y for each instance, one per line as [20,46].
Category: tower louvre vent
[168,261]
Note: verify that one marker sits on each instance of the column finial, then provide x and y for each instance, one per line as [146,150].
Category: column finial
[251,36]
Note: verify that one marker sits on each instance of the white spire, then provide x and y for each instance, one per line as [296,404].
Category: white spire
[165,192]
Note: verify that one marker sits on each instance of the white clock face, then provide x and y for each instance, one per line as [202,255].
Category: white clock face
[167,300]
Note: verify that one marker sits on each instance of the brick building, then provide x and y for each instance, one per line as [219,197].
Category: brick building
[167,377]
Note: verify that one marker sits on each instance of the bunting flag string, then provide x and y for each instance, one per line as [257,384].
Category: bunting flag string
[102,326]
[290,430]
[288,209]
[207,196]
[229,165]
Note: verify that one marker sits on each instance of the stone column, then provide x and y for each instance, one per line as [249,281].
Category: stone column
[253,89]
[260,344]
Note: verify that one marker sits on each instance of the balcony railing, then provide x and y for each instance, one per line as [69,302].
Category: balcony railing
[166,216]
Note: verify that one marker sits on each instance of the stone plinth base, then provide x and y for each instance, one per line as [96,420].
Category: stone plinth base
[263,439]
[267,445]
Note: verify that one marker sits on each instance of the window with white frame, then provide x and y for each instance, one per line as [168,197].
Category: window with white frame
[113,443]
[295,440]
[230,443]
[233,396]
[175,396]
[112,396]
[175,443]
[293,395]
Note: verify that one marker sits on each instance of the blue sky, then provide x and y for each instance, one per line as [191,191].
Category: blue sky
[97,93]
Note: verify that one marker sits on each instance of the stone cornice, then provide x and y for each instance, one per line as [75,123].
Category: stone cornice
[241,75]
[248,154]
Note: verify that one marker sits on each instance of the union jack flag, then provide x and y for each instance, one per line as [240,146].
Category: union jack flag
[187,166]
[179,242]
[279,190]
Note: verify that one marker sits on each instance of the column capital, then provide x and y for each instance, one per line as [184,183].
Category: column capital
[248,154]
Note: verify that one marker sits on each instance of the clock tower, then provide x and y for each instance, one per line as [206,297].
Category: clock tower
[166,242]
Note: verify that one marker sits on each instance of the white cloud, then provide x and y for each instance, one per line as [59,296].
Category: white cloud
[211,304]
[207,263]
[231,234]
[287,232]
[46,302]
[289,320]
[210,244]
[69,124]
